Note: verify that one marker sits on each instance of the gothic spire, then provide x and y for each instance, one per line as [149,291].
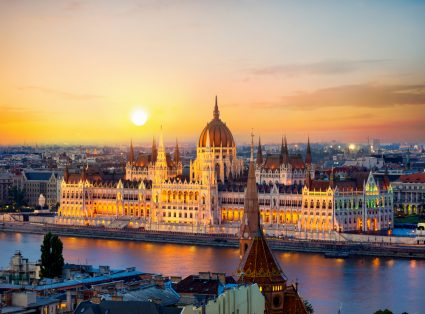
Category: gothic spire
[216,111]
[131,153]
[161,148]
[177,153]
[154,150]
[259,153]
[251,207]
[308,153]
[285,154]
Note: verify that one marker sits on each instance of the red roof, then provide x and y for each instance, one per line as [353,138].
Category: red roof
[413,178]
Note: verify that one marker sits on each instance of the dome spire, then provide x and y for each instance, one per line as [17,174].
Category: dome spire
[216,111]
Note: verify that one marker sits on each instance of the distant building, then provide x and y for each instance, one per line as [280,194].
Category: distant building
[409,193]
[282,168]
[5,186]
[357,203]
[36,183]
[20,271]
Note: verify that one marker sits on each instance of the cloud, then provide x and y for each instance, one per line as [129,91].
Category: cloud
[60,93]
[331,67]
[366,95]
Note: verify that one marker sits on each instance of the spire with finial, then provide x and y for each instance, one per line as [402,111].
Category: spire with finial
[161,149]
[285,154]
[251,224]
[131,153]
[154,150]
[177,153]
[216,111]
[259,153]
[308,153]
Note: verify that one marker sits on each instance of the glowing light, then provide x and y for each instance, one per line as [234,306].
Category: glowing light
[352,146]
[139,117]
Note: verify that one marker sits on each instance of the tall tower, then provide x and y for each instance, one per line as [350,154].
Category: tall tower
[258,264]
[177,153]
[250,226]
[161,167]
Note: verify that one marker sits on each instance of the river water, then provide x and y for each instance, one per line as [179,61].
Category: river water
[358,285]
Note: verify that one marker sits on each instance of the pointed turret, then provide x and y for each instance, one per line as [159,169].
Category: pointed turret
[250,226]
[308,153]
[307,182]
[177,153]
[131,153]
[216,113]
[161,149]
[154,150]
[285,155]
[259,153]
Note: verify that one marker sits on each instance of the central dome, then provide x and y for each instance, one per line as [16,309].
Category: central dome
[219,133]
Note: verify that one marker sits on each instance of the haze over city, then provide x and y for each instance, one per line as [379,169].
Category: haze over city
[74,71]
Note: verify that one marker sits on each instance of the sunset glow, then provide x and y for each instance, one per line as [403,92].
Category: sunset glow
[139,117]
[71,71]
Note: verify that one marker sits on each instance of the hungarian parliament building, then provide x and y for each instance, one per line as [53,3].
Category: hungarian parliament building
[155,195]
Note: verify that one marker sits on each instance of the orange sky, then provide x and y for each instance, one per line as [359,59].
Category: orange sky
[72,71]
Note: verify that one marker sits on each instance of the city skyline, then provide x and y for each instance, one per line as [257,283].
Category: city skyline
[74,71]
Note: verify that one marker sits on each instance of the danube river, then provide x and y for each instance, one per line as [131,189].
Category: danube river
[358,285]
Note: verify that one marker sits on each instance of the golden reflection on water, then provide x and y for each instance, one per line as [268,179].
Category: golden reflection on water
[376,262]
[326,282]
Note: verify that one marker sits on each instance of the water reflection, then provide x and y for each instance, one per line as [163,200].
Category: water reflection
[362,285]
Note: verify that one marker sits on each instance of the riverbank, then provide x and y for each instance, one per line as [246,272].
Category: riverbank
[348,247]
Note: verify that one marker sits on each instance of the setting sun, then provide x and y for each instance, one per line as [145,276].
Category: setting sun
[139,117]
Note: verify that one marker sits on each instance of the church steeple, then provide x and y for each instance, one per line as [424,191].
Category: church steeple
[259,153]
[250,226]
[154,150]
[285,153]
[216,111]
[308,153]
[177,153]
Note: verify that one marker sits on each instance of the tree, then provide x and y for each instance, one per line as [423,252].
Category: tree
[51,256]
[17,196]
[386,311]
